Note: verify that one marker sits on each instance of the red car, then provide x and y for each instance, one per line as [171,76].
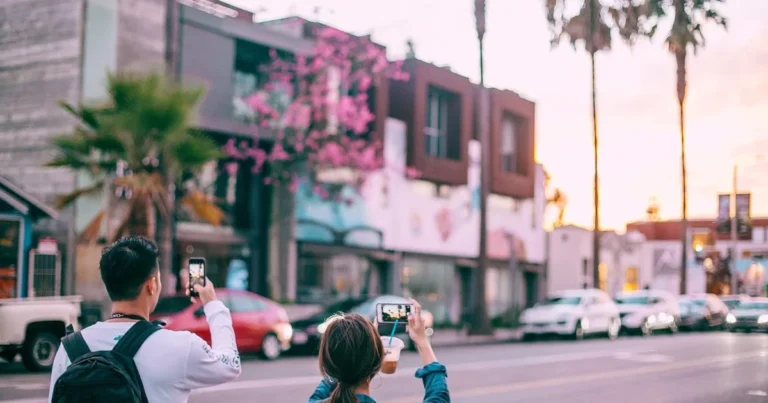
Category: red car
[261,325]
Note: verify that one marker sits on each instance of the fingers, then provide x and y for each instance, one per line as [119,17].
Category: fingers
[199,288]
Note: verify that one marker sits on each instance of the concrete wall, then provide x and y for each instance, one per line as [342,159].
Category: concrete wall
[568,248]
[40,49]
[141,34]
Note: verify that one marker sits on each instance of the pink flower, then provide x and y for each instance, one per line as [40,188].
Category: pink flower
[278,153]
[231,150]
[412,173]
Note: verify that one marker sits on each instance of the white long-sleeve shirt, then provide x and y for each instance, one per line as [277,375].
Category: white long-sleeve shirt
[170,363]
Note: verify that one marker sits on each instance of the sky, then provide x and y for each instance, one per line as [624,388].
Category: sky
[639,142]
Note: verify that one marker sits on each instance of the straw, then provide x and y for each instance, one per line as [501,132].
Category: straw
[394,329]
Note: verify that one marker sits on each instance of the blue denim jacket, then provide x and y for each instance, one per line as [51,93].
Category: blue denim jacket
[433,376]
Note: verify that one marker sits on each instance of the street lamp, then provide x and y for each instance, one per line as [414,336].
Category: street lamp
[734,219]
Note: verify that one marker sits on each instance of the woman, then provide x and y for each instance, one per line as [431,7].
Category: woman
[351,354]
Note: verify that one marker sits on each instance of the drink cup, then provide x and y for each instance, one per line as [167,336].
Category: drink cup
[391,354]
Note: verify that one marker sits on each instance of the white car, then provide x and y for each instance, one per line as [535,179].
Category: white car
[643,312]
[574,313]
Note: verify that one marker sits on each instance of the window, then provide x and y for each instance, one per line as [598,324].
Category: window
[436,130]
[442,125]
[508,144]
[602,273]
[10,232]
[243,303]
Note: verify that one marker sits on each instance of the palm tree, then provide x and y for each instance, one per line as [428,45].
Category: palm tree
[138,143]
[593,27]
[685,34]
[481,324]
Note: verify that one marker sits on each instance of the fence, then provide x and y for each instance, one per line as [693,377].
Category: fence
[44,274]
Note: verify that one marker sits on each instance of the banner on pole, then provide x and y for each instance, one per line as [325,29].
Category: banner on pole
[743,216]
[723,220]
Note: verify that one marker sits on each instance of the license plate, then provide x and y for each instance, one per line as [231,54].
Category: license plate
[300,338]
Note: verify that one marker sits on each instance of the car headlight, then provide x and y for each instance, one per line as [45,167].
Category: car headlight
[762,319]
[732,319]
[321,327]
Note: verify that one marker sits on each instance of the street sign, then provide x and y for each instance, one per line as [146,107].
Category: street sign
[723,220]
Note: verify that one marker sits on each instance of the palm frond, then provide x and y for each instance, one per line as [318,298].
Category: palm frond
[194,151]
[93,190]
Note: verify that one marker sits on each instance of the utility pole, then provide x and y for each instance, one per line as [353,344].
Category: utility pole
[734,230]
[591,48]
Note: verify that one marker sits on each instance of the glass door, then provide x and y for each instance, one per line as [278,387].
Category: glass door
[10,238]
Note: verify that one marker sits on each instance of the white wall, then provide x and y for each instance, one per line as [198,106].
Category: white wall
[568,247]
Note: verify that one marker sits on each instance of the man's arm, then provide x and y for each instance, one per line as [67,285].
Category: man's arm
[217,364]
[60,364]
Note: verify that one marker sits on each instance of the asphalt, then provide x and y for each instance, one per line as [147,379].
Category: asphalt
[684,368]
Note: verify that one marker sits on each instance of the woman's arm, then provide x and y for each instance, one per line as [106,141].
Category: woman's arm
[322,392]
[434,376]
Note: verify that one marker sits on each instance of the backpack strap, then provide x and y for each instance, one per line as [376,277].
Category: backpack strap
[130,343]
[75,346]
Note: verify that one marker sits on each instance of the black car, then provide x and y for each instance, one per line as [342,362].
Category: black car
[306,336]
[702,312]
[307,332]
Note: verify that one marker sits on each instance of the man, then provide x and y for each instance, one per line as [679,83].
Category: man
[169,363]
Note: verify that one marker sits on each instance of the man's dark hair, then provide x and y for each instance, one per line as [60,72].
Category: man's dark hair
[126,265]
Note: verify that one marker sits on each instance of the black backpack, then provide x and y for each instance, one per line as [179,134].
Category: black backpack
[103,376]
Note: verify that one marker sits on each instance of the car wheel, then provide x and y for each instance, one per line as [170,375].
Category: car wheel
[645,329]
[39,351]
[578,331]
[673,328]
[270,347]
[614,328]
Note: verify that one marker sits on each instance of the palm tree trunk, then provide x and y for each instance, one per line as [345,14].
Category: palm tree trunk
[480,321]
[681,87]
[596,184]
[596,178]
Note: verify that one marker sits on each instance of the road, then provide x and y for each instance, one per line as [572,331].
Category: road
[692,368]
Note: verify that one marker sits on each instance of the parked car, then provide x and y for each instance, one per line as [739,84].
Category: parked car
[702,312]
[261,325]
[33,327]
[574,313]
[748,316]
[732,301]
[307,332]
[643,312]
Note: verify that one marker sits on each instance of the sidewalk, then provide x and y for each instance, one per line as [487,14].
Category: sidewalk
[453,337]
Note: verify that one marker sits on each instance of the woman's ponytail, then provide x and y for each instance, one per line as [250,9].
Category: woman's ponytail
[343,393]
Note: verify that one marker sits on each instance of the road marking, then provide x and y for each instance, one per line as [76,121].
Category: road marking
[648,358]
[601,376]
[757,393]
[23,386]
[34,400]
[408,372]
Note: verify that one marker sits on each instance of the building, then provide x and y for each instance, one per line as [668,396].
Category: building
[710,253]
[419,237]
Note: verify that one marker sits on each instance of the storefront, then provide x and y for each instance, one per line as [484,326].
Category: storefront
[436,283]
[18,211]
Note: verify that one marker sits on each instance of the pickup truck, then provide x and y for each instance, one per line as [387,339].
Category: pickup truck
[34,327]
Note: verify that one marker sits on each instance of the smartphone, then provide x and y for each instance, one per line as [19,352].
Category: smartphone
[196,274]
[391,313]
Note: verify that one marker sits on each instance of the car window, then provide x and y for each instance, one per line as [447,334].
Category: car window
[561,300]
[366,309]
[244,303]
[754,305]
[633,300]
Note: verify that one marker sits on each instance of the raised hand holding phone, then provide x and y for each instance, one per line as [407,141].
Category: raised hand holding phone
[196,274]
[417,330]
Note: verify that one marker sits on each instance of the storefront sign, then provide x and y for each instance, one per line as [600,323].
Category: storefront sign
[743,217]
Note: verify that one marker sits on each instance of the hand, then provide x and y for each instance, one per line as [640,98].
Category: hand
[205,293]
[416,327]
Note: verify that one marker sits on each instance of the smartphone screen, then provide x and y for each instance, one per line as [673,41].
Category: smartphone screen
[390,313]
[196,273]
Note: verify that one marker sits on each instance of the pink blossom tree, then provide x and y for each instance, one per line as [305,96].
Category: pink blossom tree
[317,109]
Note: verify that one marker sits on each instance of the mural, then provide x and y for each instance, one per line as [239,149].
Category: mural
[751,276]
[417,216]
[666,271]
